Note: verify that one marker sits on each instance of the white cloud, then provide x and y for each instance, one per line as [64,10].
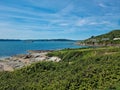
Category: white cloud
[50,4]
[67,17]
[102,5]
[82,22]
[64,24]
[99,23]
[96,21]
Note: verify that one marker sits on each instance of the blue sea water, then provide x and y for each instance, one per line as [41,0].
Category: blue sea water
[10,48]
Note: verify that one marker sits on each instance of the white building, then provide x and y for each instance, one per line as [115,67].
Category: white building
[116,39]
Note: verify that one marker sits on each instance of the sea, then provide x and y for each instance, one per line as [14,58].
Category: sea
[11,48]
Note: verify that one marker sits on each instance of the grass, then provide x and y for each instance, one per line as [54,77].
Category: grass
[80,69]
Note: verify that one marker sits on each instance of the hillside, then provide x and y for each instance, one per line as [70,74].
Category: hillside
[109,39]
[80,69]
[111,35]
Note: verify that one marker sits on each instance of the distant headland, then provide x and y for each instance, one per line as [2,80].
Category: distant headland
[37,40]
[109,39]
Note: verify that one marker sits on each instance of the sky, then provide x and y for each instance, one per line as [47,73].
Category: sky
[57,19]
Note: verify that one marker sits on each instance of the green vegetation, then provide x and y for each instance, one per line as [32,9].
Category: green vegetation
[80,69]
[111,35]
[104,40]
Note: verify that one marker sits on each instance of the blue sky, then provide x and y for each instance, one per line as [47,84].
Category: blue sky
[46,19]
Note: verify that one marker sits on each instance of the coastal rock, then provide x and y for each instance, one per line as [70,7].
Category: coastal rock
[19,61]
[56,59]
[5,67]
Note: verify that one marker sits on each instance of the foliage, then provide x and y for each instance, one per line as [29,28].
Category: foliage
[111,35]
[104,39]
[80,69]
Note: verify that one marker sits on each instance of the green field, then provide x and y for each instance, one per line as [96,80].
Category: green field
[79,69]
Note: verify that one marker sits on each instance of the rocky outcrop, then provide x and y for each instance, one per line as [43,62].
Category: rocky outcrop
[19,61]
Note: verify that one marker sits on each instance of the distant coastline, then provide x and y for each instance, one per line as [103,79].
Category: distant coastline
[10,40]
[37,40]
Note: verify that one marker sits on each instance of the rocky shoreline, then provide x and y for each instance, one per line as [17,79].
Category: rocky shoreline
[95,44]
[21,60]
